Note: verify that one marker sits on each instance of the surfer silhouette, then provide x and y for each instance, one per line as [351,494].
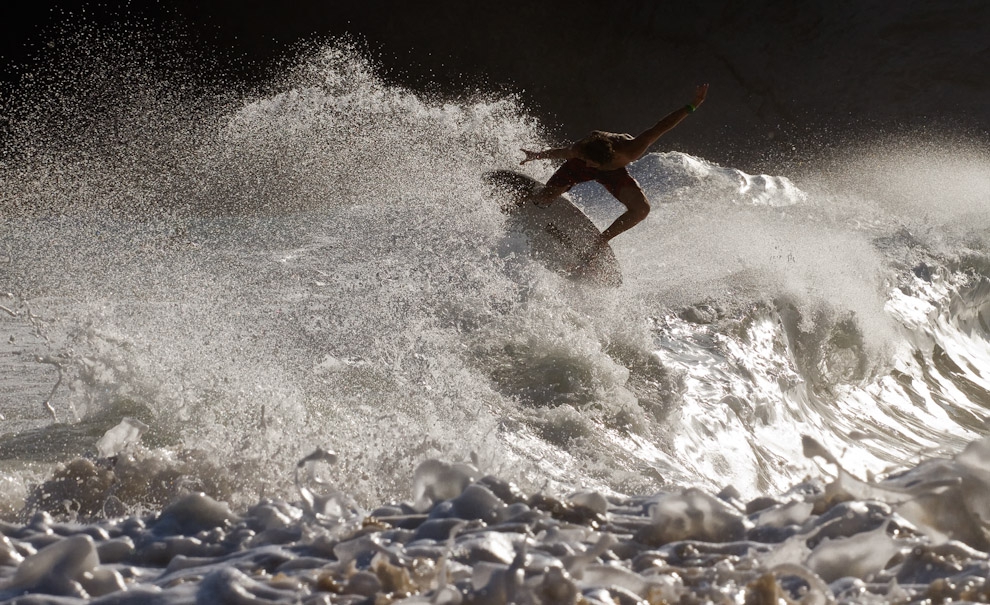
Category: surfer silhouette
[604,157]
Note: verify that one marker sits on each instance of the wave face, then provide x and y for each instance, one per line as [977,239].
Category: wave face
[322,266]
[233,323]
[319,265]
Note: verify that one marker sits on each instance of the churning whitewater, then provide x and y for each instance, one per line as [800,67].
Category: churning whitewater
[204,296]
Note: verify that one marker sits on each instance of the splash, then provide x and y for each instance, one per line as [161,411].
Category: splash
[316,264]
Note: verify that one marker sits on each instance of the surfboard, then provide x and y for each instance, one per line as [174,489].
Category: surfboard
[560,235]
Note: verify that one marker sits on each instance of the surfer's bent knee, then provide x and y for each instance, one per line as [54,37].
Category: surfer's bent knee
[635,202]
[641,210]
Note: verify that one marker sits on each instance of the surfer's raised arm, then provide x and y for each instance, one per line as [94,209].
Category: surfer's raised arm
[634,149]
[618,150]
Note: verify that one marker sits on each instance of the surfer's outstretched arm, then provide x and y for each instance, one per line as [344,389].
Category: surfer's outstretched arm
[559,153]
[634,149]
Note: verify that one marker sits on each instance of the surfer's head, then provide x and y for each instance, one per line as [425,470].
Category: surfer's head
[597,147]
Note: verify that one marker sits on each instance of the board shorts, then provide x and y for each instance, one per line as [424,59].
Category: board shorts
[576,171]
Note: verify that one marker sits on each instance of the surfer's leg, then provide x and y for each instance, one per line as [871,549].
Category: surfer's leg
[546,194]
[625,189]
[571,173]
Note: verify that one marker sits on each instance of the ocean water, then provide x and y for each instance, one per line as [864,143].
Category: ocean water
[279,346]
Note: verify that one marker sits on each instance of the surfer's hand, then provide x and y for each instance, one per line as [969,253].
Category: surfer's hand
[699,95]
[530,156]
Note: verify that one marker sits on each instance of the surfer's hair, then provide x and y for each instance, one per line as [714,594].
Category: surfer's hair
[597,147]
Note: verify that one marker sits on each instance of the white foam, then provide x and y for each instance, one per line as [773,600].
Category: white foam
[845,540]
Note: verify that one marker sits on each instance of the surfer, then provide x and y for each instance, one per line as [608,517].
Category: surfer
[603,157]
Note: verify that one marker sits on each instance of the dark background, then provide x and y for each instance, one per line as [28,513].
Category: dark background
[788,79]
